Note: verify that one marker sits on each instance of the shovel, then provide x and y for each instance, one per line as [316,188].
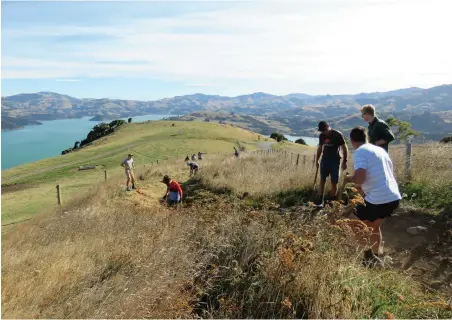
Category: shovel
[313,194]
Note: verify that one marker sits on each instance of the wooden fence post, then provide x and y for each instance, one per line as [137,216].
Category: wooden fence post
[408,151]
[298,158]
[59,196]
[304,160]
[106,175]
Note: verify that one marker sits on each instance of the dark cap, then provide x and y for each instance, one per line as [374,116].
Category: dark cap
[130,155]
[322,126]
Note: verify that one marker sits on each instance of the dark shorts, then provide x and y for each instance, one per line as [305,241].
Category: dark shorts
[330,168]
[372,212]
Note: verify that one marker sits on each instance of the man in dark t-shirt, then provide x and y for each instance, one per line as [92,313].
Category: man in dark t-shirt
[330,141]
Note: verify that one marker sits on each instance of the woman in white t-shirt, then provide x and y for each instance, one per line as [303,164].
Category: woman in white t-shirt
[374,172]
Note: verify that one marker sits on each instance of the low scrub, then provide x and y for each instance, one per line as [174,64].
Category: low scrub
[228,252]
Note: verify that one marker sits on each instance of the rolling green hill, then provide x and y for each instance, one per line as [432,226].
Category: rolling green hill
[30,189]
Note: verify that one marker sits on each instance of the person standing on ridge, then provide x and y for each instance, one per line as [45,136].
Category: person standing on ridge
[379,132]
[200,155]
[174,193]
[128,166]
[330,141]
[193,157]
[374,172]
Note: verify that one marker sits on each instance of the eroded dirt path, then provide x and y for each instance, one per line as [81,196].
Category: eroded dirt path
[427,256]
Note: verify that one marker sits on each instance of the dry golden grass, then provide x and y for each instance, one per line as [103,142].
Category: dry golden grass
[431,163]
[115,255]
[259,175]
[101,260]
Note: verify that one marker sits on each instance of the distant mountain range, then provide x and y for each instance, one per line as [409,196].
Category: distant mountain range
[293,109]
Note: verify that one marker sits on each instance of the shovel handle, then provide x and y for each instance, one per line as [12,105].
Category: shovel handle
[316,174]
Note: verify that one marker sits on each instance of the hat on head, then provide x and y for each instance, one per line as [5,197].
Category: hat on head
[322,126]
[130,155]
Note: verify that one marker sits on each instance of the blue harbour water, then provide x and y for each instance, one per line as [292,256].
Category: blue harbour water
[38,142]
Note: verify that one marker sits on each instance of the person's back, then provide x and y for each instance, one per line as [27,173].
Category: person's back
[380,185]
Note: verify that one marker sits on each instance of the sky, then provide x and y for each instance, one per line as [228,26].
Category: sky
[152,50]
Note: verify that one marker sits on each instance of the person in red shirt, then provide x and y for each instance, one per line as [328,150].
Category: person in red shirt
[174,192]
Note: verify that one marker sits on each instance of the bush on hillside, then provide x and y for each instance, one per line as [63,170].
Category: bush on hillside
[100,130]
[301,141]
[278,136]
[446,140]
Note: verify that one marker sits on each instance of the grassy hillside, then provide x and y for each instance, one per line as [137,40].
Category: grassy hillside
[222,254]
[30,189]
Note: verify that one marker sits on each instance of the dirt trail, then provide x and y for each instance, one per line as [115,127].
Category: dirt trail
[426,256]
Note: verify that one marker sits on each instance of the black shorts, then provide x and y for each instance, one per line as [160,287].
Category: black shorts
[372,212]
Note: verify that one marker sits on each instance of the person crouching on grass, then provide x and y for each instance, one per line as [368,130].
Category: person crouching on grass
[374,172]
[174,193]
[128,166]
[194,167]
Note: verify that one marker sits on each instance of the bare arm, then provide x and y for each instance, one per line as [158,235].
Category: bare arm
[358,177]
[344,152]
[319,153]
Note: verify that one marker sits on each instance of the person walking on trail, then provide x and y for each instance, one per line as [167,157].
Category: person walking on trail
[379,132]
[194,167]
[200,155]
[128,166]
[374,172]
[330,141]
[174,193]
[193,157]
[187,158]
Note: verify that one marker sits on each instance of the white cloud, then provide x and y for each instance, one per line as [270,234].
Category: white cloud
[68,80]
[201,85]
[326,45]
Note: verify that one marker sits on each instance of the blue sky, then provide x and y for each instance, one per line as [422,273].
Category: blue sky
[152,50]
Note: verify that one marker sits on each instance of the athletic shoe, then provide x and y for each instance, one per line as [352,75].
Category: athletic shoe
[128,189]
[133,187]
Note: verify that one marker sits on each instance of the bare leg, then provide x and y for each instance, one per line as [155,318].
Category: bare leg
[132,177]
[128,180]
[333,189]
[375,236]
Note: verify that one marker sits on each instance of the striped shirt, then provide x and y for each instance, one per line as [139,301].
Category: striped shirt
[380,185]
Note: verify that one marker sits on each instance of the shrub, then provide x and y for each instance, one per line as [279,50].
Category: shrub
[278,136]
[301,141]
